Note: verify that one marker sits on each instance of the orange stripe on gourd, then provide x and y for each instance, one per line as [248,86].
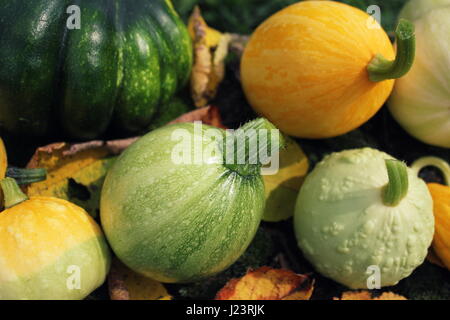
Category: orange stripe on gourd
[3,160]
[305,69]
[441,242]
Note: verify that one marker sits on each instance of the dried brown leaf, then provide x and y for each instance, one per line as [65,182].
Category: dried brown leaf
[75,172]
[208,115]
[210,51]
[125,284]
[267,283]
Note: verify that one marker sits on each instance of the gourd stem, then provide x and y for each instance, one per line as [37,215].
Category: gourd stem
[397,187]
[12,193]
[381,69]
[26,176]
[251,146]
[436,162]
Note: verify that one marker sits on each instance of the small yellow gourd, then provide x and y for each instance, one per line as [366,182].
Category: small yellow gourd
[441,240]
[49,248]
[441,208]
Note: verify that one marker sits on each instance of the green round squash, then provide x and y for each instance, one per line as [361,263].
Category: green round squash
[360,210]
[179,221]
[126,60]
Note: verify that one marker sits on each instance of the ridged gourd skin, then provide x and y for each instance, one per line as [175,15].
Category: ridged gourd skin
[178,222]
[420,101]
[41,241]
[304,69]
[441,240]
[126,61]
[343,226]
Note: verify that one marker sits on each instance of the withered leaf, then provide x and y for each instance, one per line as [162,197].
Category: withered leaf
[267,283]
[210,51]
[75,172]
[282,188]
[125,284]
[207,115]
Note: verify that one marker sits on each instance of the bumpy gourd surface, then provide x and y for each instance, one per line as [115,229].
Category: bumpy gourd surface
[343,227]
[305,69]
[178,222]
[420,101]
[40,239]
[127,59]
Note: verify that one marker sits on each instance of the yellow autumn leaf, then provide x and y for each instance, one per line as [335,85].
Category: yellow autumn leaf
[282,188]
[197,24]
[267,283]
[210,51]
[125,284]
[74,172]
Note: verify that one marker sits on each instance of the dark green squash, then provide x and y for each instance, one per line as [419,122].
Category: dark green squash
[127,59]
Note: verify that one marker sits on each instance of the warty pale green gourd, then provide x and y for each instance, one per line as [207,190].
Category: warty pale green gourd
[362,208]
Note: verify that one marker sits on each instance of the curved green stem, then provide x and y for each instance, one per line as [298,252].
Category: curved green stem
[381,69]
[251,146]
[12,193]
[436,162]
[397,187]
[26,176]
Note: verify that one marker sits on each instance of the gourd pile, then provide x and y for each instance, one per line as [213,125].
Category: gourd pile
[354,119]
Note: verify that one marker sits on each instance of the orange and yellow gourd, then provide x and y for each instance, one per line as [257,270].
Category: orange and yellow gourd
[305,69]
[441,240]
[49,249]
[441,206]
